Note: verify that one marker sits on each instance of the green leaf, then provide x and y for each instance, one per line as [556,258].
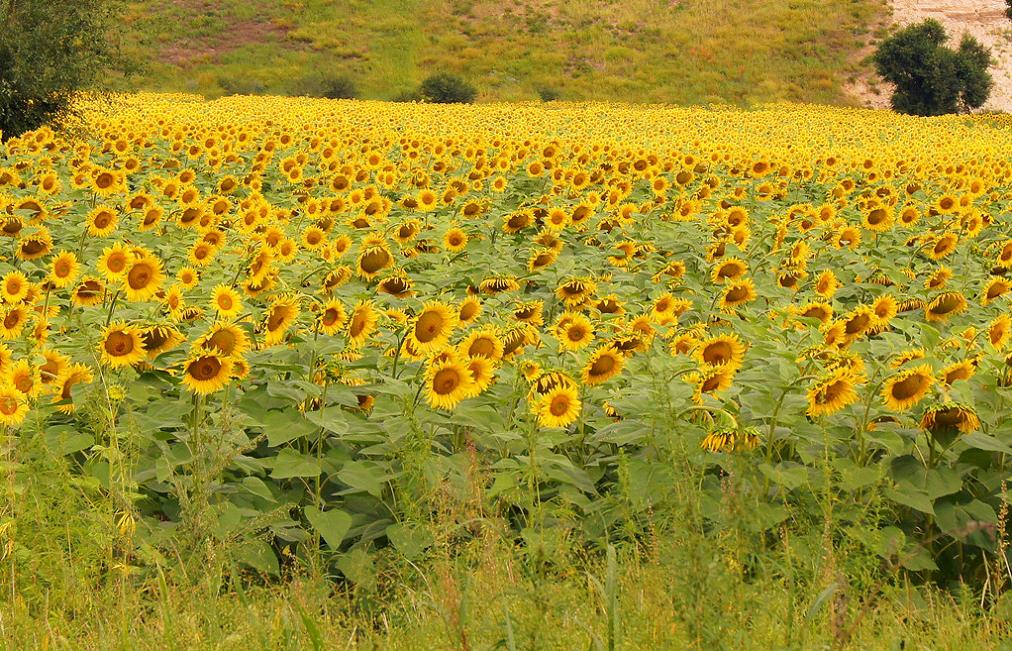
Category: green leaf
[409,540]
[790,476]
[290,463]
[363,476]
[332,419]
[981,441]
[258,555]
[357,566]
[332,525]
[284,426]
[909,496]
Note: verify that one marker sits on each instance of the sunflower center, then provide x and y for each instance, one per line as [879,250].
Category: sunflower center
[483,347]
[576,332]
[8,405]
[119,343]
[428,327]
[559,405]
[908,388]
[374,260]
[224,341]
[139,276]
[717,353]
[205,368]
[445,381]
[603,365]
[12,319]
[225,302]
[330,317]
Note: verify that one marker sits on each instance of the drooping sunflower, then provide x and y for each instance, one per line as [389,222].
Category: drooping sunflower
[945,306]
[831,394]
[712,379]
[225,339]
[143,278]
[957,371]
[206,373]
[374,258]
[362,323]
[226,301]
[282,313]
[905,389]
[950,416]
[447,383]
[729,269]
[121,345]
[88,292]
[996,288]
[604,364]
[160,339]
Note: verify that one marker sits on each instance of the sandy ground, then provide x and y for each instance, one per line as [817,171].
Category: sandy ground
[983,19]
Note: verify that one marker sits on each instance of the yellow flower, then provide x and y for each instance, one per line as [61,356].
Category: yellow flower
[447,382]
[207,373]
[904,390]
[13,406]
[226,301]
[604,364]
[831,394]
[63,269]
[121,345]
[559,407]
[433,326]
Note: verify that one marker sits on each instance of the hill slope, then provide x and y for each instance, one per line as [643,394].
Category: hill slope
[683,51]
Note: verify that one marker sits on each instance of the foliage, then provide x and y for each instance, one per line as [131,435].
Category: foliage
[328,86]
[1008,11]
[283,332]
[930,78]
[49,54]
[634,50]
[444,88]
[548,94]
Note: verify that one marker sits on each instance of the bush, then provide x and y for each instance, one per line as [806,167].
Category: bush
[50,52]
[930,78]
[1008,12]
[328,86]
[549,94]
[444,88]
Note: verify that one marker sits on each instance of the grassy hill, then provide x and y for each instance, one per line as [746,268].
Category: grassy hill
[684,51]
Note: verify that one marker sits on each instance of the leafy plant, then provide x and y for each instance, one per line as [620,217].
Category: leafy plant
[445,88]
[932,79]
[51,53]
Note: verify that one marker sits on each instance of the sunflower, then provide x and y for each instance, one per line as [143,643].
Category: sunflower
[574,331]
[283,312]
[160,339]
[332,317]
[482,370]
[26,378]
[998,332]
[433,326]
[88,292]
[995,289]
[121,345]
[885,308]
[957,371]
[731,440]
[604,364]
[206,373]
[831,394]
[13,406]
[71,377]
[447,382]
[12,322]
[729,269]
[943,246]
[721,350]
[710,380]
[904,390]
[559,407]
[143,278]
[826,284]
[575,291]
[14,287]
[226,301]
[482,343]
[455,240]
[468,310]
[361,324]
[945,306]
[63,269]
[102,221]
[397,285]
[373,260]
[225,339]
[950,416]
[736,294]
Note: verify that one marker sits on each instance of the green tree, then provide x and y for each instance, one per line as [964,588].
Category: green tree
[50,52]
[444,88]
[930,78]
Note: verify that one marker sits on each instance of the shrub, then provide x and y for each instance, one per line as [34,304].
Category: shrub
[549,94]
[930,78]
[328,86]
[444,88]
[51,52]
[1008,12]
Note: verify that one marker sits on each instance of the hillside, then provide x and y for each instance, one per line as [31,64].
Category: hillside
[684,51]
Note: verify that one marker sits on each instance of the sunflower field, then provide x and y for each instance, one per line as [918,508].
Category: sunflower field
[350,326]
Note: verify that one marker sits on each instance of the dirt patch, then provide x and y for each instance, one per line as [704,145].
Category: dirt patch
[193,49]
[985,20]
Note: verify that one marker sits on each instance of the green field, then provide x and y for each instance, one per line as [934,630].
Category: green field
[688,51]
